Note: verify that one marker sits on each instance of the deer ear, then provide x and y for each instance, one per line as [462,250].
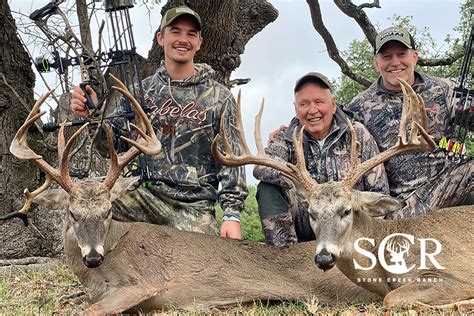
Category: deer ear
[54,199]
[375,204]
[122,185]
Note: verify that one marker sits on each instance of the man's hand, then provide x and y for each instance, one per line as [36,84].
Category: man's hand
[231,229]
[275,133]
[78,101]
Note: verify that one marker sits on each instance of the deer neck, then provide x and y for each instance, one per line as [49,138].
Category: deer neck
[365,226]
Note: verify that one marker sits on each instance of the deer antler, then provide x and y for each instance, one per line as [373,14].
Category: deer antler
[21,150]
[148,144]
[419,140]
[297,173]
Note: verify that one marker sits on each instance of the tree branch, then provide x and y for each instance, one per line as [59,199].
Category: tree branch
[375,4]
[333,51]
[356,12]
[449,60]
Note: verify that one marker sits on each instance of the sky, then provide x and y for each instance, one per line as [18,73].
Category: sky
[290,47]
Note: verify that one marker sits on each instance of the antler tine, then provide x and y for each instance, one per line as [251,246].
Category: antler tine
[419,140]
[257,129]
[239,126]
[63,155]
[301,171]
[20,148]
[29,197]
[295,173]
[355,149]
[148,143]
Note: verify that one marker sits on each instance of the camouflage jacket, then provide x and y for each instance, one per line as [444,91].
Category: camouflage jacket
[380,111]
[331,162]
[186,116]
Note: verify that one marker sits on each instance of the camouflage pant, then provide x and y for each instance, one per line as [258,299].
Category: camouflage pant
[453,186]
[284,215]
[142,204]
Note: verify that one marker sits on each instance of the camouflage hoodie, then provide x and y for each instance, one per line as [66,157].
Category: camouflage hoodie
[186,117]
[380,111]
[331,162]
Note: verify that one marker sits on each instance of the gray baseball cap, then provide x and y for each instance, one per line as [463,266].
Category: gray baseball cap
[394,34]
[174,13]
[312,76]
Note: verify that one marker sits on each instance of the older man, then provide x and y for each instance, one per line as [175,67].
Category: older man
[326,144]
[426,181]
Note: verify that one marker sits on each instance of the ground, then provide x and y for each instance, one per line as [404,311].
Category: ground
[56,291]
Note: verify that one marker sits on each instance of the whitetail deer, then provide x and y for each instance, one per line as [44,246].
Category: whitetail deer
[339,216]
[142,267]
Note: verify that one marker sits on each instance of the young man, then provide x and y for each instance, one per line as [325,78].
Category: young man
[426,181]
[326,145]
[184,104]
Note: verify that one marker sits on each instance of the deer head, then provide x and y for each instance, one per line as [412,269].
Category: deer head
[88,202]
[332,205]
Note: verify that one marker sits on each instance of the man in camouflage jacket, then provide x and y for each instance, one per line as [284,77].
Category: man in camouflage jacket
[326,146]
[184,105]
[426,181]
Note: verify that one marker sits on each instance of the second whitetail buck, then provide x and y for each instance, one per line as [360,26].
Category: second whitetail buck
[432,255]
[130,267]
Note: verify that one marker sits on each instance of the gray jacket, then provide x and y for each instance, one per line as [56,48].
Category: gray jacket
[331,162]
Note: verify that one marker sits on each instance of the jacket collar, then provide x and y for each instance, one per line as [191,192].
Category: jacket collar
[380,88]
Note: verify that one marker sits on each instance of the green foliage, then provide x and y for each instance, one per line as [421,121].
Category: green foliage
[359,55]
[249,218]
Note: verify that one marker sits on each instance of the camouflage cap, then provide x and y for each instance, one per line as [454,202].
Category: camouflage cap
[394,34]
[313,76]
[173,13]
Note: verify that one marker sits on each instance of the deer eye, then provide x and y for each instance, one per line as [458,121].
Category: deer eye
[346,213]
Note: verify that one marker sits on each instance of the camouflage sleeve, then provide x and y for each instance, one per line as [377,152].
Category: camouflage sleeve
[376,179]
[355,106]
[277,149]
[119,125]
[232,179]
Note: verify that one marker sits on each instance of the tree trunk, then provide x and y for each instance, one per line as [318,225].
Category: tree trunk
[16,81]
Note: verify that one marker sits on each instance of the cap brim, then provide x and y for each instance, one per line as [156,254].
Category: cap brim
[181,15]
[311,78]
[391,40]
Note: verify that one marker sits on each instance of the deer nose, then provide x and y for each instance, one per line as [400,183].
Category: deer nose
[325,260]
[93,259]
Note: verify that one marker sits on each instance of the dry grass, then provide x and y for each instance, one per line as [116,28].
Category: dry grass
[55,292]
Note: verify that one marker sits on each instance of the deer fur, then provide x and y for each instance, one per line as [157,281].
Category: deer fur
[339,222]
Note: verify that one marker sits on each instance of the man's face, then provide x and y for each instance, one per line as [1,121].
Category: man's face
[180,40]
[315,108]
[396,60]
